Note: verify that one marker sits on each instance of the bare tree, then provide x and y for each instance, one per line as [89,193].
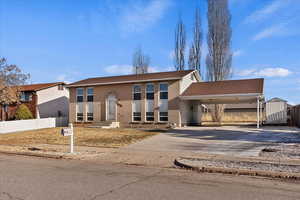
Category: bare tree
[180,42]
[218,60]
[11,77]
[195,49]
[140,62]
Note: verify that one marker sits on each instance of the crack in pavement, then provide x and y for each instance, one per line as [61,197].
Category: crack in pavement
[8,196]
[125,185]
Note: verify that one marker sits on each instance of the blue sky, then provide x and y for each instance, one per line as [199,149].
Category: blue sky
[69,40]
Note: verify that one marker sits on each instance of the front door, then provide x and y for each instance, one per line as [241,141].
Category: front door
[111,101]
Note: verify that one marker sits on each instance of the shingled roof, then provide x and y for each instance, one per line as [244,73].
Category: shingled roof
[37,87]
[245,86]
[158,76]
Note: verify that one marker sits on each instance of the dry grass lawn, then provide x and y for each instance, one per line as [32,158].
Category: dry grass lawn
[95,137]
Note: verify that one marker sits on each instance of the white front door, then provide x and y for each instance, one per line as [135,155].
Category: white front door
[111,108]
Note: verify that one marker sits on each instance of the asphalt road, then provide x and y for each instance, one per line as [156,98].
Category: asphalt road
[43,179]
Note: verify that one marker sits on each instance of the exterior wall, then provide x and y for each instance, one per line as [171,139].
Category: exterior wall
[233,116]
[52,100]
[187,81]
[191,112]
[123,93]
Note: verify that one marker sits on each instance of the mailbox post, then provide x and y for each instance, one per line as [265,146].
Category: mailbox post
[69,132]
[72,139]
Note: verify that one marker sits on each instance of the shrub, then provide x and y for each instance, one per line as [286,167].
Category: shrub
[23,112]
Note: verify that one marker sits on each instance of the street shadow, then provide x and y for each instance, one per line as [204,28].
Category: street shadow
[244,134]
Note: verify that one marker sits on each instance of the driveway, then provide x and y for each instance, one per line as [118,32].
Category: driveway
[234,141]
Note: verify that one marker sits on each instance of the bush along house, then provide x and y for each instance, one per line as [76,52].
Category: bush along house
[173,98]
[43,100]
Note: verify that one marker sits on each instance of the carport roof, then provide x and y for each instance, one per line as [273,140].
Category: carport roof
[229,91]
[245,86]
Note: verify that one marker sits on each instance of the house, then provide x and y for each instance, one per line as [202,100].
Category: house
[43,100]
[164,98]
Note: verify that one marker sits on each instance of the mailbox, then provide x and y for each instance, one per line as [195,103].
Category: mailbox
[66,132]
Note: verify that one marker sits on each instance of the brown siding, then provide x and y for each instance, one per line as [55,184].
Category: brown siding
[123,93]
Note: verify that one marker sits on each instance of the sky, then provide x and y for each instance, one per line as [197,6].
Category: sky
[70,40]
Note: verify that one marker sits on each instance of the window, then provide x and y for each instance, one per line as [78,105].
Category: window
[79,94]
[137,92]
[136,104]
[149,102]
[79,112]
[90,111]
[163,91]
[60,87]
[163,116]
[26,96]
[90,94]
[163,102]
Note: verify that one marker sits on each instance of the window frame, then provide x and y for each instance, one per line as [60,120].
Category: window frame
[87,94]
[160,121]
[132,102]
[146,99]
[76,112]
[79,95]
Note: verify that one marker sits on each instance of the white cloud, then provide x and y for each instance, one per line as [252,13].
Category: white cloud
[139,16]
[267,11]
[118,69]
[237,53]
[266,72]
[275,30]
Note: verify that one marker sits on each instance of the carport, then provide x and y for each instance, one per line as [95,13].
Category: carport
[227,92]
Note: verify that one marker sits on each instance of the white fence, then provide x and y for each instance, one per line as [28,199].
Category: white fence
[25,125]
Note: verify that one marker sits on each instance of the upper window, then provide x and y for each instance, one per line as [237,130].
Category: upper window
[150,91]
[90,94]
[79,94]
[26,96]
[60,87]
[163,91]
[137,92]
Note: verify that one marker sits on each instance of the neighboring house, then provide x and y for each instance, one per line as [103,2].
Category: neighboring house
[163,98]
[43,100]
[277,111]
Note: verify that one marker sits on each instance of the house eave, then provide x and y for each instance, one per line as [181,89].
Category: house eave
[123,82]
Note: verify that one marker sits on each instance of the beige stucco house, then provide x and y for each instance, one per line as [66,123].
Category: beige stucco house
[164,98]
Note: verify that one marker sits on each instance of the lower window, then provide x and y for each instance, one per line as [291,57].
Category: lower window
[90,116]
[79,116]
[149,116]
[137,116]
[163,116]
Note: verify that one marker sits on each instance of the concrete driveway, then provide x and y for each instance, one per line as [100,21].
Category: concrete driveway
[236,141]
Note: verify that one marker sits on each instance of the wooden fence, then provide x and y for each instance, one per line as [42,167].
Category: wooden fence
[295,116]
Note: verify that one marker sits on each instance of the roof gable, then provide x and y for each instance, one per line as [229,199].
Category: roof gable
[37,87]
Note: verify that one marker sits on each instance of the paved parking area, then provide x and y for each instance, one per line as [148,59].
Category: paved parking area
[236,141]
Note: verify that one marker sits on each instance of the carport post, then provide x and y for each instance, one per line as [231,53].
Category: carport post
[258,112]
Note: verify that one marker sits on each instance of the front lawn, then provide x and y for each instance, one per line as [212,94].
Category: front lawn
[95,137]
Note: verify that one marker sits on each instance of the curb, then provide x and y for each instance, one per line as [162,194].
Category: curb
[269,174]
[32,154]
